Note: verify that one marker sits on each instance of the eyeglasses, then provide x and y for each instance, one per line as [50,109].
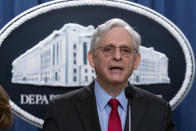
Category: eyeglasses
[110,50]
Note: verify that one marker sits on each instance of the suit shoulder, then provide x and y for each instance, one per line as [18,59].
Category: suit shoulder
[71,97]
[149,96]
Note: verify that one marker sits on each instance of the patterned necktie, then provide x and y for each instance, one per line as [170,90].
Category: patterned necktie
[114,122]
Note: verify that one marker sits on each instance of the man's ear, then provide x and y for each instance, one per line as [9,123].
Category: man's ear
[137,60]
[91,59]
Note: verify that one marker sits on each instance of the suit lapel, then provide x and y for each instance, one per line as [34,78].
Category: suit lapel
[87,110]
[138,107]
[137,111]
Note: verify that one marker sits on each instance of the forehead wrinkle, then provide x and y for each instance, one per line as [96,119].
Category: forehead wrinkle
[106,39]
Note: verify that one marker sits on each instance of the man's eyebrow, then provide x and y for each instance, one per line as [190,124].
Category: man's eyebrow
[125,46]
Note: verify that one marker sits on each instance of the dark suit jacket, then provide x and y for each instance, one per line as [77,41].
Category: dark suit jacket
[77,111]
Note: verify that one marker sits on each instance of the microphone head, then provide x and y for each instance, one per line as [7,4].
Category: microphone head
[129,91]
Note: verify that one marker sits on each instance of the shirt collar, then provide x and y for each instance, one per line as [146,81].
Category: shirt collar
[122,100]
[102,97]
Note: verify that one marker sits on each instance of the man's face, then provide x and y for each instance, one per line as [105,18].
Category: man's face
[115,66]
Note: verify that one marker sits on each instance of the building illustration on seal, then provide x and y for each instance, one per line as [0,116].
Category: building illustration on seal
[61,60]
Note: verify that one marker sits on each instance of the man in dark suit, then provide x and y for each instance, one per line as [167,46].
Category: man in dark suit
[103,106]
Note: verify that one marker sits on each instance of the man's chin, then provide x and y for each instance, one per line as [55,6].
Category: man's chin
[118,81]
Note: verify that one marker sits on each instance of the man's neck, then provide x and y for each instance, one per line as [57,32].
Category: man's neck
[113,89]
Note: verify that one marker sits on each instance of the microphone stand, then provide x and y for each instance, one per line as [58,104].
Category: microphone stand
[129,103]
[129,93]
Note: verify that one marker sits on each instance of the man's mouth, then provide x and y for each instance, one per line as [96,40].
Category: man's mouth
[116,68]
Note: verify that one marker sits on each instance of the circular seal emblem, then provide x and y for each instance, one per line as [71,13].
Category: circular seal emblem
[43,53]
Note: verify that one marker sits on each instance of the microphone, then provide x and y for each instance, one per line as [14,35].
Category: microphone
[129,93]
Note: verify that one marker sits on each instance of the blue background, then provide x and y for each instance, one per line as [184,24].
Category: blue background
[180,12]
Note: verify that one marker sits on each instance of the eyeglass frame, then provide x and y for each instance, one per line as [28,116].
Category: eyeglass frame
[126,54]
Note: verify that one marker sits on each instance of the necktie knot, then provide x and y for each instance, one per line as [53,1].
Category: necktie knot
[114,103]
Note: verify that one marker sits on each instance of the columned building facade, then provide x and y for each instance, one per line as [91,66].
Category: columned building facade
[61,60]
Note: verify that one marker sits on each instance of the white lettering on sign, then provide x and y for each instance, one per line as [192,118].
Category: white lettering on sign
[35,99]
[52,96]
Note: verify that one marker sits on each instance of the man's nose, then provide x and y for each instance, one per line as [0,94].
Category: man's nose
[117,54]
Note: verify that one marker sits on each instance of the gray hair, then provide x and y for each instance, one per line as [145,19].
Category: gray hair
[105,27]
